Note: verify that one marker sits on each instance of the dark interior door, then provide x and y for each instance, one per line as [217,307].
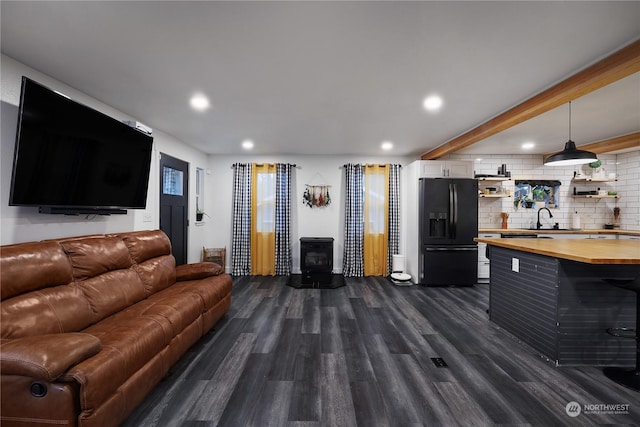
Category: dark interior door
[174,202]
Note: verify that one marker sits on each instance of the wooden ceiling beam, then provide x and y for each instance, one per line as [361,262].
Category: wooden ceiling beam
[614,67]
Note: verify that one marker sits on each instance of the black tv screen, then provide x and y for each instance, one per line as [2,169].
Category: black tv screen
[68,155]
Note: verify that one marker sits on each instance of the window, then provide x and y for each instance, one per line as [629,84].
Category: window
[266,202]
[263,206]
[199,189]
[375,189]
[376,178]
[537,193]
[172,181]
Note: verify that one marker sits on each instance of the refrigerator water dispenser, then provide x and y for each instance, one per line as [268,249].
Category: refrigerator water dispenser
[438,224]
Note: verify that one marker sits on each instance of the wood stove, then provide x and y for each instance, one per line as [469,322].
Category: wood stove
[316,260]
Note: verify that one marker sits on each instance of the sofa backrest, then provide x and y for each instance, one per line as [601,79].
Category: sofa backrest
[66,285]
[151,254]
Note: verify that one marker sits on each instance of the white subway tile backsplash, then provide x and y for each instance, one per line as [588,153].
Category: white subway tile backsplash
[594,213]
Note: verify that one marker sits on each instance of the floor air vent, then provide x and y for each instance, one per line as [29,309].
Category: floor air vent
[439,362]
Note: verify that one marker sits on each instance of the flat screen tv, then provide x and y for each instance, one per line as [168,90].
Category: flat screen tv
[70,158]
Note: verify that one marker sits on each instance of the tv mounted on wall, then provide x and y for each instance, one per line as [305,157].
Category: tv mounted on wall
[72,159]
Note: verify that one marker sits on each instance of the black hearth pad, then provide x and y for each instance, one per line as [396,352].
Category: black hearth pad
[295,281]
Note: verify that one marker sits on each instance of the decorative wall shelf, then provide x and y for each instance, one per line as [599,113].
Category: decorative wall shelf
[483,181]
[493,196]
[589,179]
[494,179]
[596,196]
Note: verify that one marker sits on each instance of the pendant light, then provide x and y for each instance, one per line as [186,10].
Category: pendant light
[570,155]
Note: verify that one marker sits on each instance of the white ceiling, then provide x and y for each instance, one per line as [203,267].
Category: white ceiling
[333,77]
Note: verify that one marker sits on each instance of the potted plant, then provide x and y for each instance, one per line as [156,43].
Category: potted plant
[541,195]
[525,201]
[199,214]
[528,203]
[596,171]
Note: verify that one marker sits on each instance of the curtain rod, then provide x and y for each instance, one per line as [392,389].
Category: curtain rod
[260,164]
[274,164]
[372,164]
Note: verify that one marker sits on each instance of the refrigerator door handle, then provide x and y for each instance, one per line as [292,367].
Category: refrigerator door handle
[450,249]
[453,191]
[451,232]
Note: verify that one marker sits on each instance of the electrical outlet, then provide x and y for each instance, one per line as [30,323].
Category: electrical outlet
[515,265]
[147,217]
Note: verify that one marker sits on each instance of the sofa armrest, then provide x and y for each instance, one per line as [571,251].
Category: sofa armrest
[46,357]
[198,270]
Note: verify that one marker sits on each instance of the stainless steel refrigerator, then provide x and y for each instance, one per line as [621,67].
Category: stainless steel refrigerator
[448,223]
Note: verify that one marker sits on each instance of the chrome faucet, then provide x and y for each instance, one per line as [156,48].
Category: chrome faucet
[539,224]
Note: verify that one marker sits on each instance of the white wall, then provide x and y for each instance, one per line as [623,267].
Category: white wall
[22,224]
[306,222]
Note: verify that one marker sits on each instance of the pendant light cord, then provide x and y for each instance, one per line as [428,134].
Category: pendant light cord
[569,120]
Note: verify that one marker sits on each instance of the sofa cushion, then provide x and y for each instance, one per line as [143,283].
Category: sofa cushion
[54,310]
[157,273]
[210,293]
[151,252]
[92,257]
[103,270]
[148,244]
[113,291]
[175,313]
[171,311]
[28,267]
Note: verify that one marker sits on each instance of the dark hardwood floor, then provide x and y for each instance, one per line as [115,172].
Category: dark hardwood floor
[360,355]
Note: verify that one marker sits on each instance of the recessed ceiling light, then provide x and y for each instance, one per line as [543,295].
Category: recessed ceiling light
[199,102]
[479,159]
[432,103]
[387,145]
[247,144]
[528,145]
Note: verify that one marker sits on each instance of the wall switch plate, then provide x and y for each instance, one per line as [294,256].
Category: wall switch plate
[515,265]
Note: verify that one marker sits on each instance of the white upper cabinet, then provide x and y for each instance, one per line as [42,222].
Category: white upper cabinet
[446,169]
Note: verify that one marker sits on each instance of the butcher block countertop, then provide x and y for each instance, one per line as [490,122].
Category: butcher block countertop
[614,232]
[591,251]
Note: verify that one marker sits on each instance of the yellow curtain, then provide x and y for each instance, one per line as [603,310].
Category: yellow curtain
[376,208]
[263,214]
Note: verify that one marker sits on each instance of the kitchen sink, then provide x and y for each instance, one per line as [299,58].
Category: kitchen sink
[542,229]
[523,236]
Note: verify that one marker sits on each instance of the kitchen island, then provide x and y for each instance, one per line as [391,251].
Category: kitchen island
[560,297]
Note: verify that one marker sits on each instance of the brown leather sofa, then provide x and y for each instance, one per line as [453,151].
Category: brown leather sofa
[89,325]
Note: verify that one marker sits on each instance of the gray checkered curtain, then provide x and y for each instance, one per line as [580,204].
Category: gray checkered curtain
[352,260]
[394,214]
[283,219]
[241,235]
